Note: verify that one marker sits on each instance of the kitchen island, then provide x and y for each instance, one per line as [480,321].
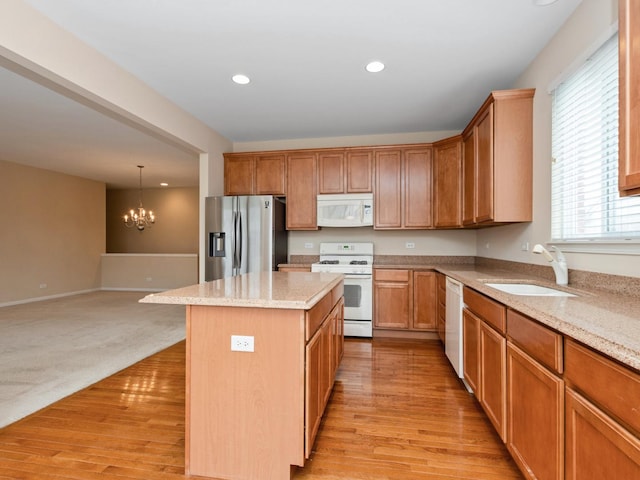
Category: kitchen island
[262,352]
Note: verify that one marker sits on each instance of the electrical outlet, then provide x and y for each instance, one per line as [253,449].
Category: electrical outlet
[524,246]
[308,245]
[241,343]
[148,279]
[410,245]
[43,285]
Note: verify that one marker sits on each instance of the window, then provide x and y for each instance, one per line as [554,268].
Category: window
[585,204]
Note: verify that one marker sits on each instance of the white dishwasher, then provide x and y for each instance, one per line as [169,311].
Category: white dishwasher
[453,327]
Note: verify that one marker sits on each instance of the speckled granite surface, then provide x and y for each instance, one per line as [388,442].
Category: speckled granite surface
[608,322]
[294,290]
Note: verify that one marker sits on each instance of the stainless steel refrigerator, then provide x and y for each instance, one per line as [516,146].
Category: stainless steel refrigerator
[244,234]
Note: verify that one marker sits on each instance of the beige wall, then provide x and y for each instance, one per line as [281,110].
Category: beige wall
[176,227]
[148,272]
[592,20]
[52,233]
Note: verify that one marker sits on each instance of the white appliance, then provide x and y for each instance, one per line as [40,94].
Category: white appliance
[453,328]
[348,210]
[355,261]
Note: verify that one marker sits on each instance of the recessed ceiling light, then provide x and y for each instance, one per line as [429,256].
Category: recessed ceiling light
[240,79]
[375,67]
[543,3]
[163,184]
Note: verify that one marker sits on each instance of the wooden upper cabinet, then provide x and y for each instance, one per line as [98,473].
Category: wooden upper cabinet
[484,170]
[447,180]
[469,177]
[629,122]
[342,171]
[270,175]
[254,174]
[359,169]
[388,192]
[402,197]
[418,164]
[331,174]
[302,191]
[238,174]
[501,139]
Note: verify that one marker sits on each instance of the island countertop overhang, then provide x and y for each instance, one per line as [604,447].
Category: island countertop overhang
[284,290]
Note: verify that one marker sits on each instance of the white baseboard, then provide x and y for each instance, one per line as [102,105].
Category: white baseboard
[48,297]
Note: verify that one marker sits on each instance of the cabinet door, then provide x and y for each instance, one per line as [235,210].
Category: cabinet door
[388,191]
[339,333]
[597,448]
[535,417]
[327,361]
[270,174]
[484,168]
[331,172]
[313,397]
[425,304]
[393,300]
[493,377]
[629,128]
[469,178]
[447,177]
[301,191]
[238,174]
[417,188]
[471,350]
[360,171]
[442,305]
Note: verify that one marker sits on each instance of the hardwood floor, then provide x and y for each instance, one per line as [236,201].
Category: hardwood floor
[397,412]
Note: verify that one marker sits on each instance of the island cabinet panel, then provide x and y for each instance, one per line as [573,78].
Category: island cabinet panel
[224,387]
[629,127]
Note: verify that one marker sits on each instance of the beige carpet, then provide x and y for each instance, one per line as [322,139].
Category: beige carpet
[53,348]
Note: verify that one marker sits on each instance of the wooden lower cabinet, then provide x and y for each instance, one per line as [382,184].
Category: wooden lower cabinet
[404,299]
[441,296]
[392,298]
[535,417]
[597,447]
[471,353]
[425,303]
[493,377]
[323,353]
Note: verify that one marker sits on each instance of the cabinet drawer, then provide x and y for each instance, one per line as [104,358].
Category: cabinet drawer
[490,311]
[615,388]
[390,275]
[316,315]
[538,341]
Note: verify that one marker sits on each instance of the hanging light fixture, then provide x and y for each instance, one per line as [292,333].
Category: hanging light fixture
[140,219]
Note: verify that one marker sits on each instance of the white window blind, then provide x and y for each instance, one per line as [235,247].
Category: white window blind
[585,203]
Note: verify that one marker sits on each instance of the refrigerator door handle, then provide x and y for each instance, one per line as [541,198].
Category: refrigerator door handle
[240,234]
[234,254]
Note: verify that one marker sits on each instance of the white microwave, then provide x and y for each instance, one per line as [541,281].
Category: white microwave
[345,210]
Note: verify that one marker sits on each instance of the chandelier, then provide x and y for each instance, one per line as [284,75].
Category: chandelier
[140,219]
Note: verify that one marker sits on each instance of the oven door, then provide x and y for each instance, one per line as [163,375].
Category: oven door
[358,298]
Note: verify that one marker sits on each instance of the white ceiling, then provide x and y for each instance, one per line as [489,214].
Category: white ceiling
[306,62]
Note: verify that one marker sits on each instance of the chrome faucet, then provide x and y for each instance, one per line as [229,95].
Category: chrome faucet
[559,264]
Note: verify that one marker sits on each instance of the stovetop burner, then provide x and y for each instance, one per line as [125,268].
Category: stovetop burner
[328,262]
[358,262]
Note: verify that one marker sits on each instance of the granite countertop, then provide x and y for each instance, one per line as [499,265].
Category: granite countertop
[292,290]
[607,322]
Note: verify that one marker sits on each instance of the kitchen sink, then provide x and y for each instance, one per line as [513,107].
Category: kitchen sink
[529,289]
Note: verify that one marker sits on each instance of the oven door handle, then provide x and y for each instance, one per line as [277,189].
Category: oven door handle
[357,277]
